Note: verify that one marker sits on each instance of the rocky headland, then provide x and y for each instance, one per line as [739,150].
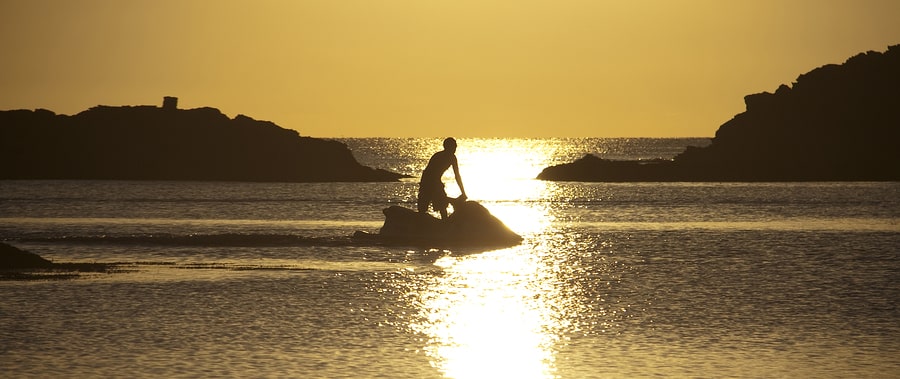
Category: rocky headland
[17,264]
[834,123]
[167,143]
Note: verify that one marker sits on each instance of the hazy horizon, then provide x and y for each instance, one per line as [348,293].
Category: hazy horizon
[414,69]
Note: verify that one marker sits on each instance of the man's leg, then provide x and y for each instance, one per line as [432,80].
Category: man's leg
[422,201]
[441,203]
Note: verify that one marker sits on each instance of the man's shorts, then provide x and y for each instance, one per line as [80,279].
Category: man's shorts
[433,194]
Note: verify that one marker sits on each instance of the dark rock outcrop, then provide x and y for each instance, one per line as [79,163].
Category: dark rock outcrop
[14,258]
[17,264]
[154,143]
[836,123]
[470,225]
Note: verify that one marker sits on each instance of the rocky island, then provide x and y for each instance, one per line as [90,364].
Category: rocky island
[167,143]
[835,123]
[17,264]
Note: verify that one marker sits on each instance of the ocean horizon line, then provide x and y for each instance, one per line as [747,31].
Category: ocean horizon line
[500,138]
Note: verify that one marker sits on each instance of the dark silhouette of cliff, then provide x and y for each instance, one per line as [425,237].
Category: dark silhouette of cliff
[14,258]
[835,123]
[17,264]
[165,143]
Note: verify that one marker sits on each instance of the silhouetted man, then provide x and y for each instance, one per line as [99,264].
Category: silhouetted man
[431,188]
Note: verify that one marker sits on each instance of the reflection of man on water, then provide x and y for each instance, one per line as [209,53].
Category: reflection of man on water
[431,188]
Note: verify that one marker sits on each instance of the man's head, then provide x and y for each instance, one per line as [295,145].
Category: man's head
[450,144]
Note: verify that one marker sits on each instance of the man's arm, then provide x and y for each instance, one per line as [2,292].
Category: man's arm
[459,179]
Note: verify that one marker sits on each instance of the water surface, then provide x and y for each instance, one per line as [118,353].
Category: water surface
[612,280]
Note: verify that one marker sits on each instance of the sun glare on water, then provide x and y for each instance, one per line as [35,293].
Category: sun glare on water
[488,317]
[489,314]
[501,175]
[499,170]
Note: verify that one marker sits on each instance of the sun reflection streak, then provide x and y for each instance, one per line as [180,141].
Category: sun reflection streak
[486,317]
[496,170]
[493,314]
[526,220]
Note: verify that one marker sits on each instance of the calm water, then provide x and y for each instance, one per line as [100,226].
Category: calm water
[613,280]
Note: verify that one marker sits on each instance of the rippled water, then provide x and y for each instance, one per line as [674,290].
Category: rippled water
[612,280]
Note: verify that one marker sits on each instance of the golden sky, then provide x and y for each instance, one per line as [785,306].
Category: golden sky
[414,68]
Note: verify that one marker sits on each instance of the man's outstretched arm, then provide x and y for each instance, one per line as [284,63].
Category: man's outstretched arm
[459,182]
